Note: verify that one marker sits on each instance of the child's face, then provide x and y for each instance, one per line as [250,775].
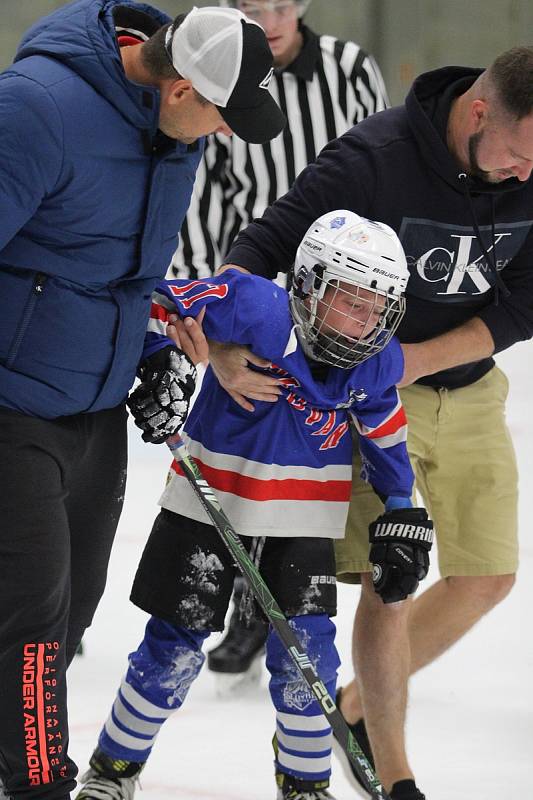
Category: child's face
[349,310]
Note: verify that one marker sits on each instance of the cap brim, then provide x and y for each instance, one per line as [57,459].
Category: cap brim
[256,125]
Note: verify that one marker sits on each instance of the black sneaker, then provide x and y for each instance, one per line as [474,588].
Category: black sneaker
[109,778]
[406,790]
[237,661]
[358,730]
[240,646]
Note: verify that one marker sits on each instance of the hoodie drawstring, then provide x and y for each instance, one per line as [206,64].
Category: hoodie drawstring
[499,285]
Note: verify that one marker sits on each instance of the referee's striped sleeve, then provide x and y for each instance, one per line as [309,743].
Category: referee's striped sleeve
[198,252]
[365,91]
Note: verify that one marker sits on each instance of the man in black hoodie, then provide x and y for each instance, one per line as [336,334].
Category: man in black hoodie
[450,172]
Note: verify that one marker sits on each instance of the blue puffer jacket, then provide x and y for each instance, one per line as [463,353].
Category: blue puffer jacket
[90,209]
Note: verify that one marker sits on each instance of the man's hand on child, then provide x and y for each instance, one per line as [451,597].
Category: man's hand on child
[188,336]
[231,365]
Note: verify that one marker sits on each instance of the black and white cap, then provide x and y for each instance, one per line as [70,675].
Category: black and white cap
[227,59]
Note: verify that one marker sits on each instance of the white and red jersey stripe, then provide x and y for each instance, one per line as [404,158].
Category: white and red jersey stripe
[265,499]
[393,429]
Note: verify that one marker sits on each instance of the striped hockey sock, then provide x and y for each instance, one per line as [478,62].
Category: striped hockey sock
[160,674]
[303,735]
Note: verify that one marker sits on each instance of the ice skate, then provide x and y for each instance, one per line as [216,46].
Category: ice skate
[238,659]
[290,788]
[109,778]
[358,730]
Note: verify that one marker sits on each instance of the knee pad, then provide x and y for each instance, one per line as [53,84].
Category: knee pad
[166,663]
[316,634]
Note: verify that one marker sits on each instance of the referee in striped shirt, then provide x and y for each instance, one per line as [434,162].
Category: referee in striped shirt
[323,85]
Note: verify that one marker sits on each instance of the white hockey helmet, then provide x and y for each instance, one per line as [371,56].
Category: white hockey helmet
[252,8]
[364,264]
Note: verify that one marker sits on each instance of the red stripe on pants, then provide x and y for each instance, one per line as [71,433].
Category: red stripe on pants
[41,722]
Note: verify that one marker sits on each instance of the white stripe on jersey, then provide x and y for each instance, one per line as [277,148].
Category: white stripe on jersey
[276,518]
[268,472]
[392,439]
[285,516]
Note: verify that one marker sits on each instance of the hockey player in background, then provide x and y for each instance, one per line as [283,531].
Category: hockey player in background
[283,476]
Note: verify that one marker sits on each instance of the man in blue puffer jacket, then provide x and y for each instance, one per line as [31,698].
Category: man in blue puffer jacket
[102,119]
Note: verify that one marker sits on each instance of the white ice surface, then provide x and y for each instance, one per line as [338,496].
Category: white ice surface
[470,719]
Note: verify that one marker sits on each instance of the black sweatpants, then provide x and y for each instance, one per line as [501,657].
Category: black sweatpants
[62,486]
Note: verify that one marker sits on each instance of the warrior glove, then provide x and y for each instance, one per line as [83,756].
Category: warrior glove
[160,404]
[400,543]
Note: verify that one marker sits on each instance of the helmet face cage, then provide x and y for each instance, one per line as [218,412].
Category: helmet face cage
[254,8]
[347,289]
[325,317]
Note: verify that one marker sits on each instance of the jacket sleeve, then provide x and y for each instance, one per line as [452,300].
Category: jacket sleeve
[343,176]
[198,254]
[31,148]
[511,319]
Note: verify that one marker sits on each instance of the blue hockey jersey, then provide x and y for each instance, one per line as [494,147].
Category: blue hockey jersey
[285,469]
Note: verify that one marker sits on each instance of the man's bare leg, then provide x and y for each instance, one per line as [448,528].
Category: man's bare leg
[382,663]
[438,618]
[449,609]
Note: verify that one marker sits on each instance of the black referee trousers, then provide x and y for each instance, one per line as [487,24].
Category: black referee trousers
[62,486]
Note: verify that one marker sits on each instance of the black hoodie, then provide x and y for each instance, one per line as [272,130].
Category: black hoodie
[395,167]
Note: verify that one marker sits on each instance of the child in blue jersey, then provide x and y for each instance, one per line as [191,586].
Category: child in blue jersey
[283,476]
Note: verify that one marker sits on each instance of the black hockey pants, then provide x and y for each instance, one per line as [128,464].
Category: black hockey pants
[61,491]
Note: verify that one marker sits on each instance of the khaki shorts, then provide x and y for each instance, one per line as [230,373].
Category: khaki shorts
[466,474]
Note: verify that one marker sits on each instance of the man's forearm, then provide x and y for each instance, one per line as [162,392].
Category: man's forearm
[463,345]
[224,267]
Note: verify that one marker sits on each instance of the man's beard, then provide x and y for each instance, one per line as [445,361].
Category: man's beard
[474,169]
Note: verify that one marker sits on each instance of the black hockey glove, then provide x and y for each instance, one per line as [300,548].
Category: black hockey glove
[160,404]
[400,543]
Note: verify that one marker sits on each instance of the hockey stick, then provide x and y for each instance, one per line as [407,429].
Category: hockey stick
[275,616]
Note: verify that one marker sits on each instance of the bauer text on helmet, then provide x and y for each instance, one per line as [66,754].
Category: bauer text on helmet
[349,280]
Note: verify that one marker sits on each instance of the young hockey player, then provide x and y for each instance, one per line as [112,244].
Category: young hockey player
[283,476]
